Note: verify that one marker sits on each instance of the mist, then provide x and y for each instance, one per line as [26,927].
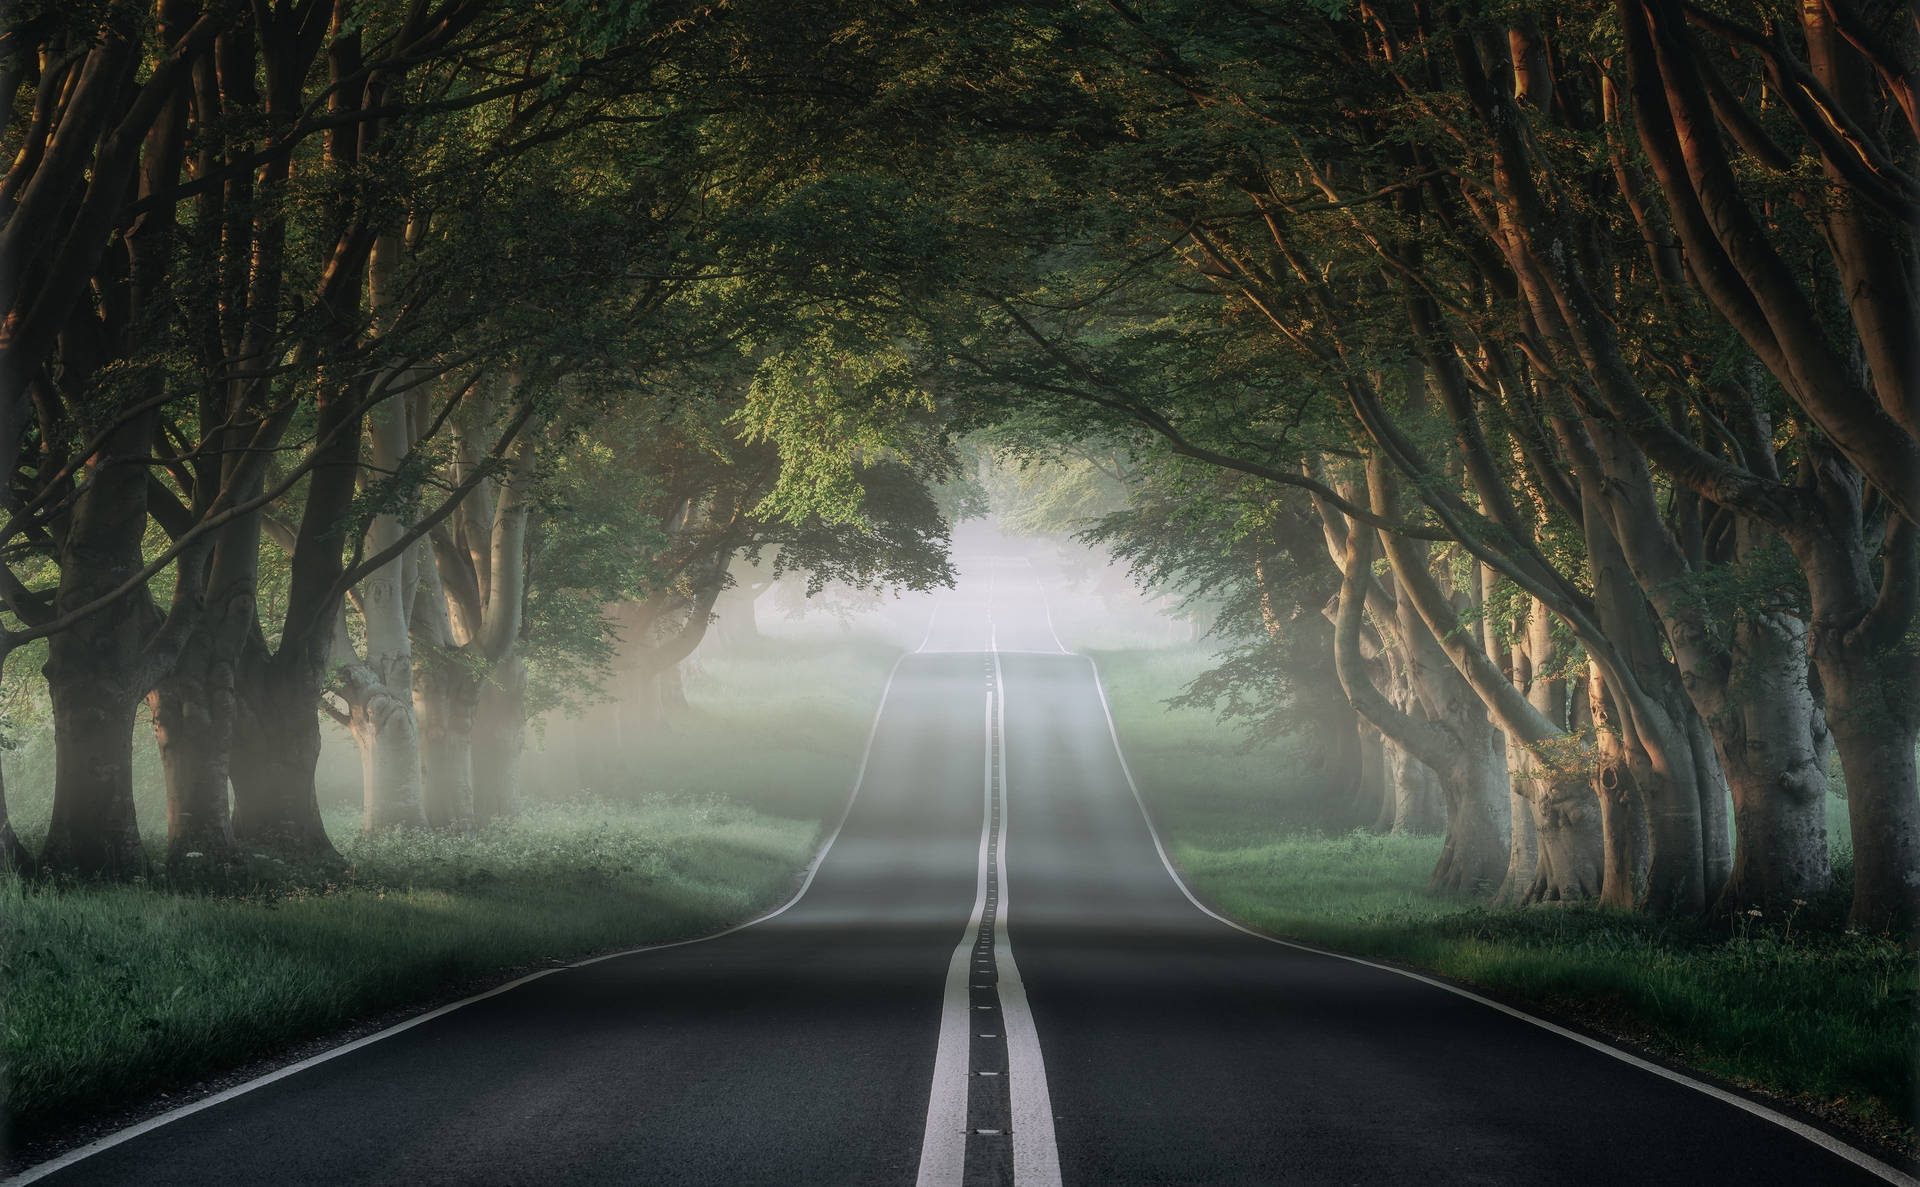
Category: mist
[949,593]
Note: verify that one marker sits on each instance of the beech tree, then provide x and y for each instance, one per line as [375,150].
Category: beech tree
[1484,285]
[1545,378]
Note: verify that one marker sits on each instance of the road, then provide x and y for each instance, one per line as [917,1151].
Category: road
[991,977]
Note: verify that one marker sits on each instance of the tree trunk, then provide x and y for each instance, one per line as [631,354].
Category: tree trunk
[1860,640]
[1623,812]
[1356,803]
[1558,782]
[1710,784]
[1779,783]
[1374,787]
[1871,710]
[1650,751]
[276,747]
[1418,806]
[1473,785]
[1456,740]
[92,832]
[1569,823]
[1523,843]
[1474,858]
[388,736]
[1523,834]
[13,855]
[1876,742]
[499,739]
[379,692]
[193,726]
[98,669]
[643,712]
[673,690]
[444,696]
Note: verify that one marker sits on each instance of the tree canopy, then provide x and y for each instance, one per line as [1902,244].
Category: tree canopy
[1531,395]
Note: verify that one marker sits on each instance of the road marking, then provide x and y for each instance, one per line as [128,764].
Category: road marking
[42,1170]
[943,1146]
[1046,604]
[1036,1156]
[1818,1137]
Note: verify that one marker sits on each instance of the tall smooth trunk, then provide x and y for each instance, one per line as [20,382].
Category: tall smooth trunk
[99,669]
[1354,800]
[93,831]
[1883,810]
[1523,843]
[1773,767]
[1710,785]
[1868,671]
[1875,722]
[1474,858]
[1373,777]
[1418,804]
[1651,751]
[276,748]
[1418,808]
[1558,784]
[379,692]
[444,696]
[499,740]
[388,737]
[1623,810]
[193,727]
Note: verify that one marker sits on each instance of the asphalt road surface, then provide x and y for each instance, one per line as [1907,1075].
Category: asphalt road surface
[879,1029]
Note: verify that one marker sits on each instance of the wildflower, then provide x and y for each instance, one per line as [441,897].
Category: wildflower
[1755,912]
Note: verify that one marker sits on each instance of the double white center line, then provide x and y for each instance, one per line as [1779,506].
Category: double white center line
[989,1111]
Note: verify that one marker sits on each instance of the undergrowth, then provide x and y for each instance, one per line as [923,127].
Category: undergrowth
[118,993]
[1794,1006]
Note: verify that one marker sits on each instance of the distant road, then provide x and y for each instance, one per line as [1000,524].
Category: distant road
[991,977]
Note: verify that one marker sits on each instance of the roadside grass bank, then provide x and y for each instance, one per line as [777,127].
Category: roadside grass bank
[115,994]
[1794,1007]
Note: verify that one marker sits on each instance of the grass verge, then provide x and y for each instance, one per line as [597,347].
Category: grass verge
[1818,1017]
[118,993]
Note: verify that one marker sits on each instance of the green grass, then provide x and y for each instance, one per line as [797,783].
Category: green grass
[1805,1012]
[116,993]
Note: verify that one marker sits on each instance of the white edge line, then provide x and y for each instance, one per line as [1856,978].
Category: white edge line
[62,1162]
[943,1144]
[931,616]
[1036,1152]
[1046,604]
[1818,1137]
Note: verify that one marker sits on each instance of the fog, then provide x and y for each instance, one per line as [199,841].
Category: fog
[1092,599]
[1011,593]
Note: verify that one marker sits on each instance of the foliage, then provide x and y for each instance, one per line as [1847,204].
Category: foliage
[1790,1004]
[120,990]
